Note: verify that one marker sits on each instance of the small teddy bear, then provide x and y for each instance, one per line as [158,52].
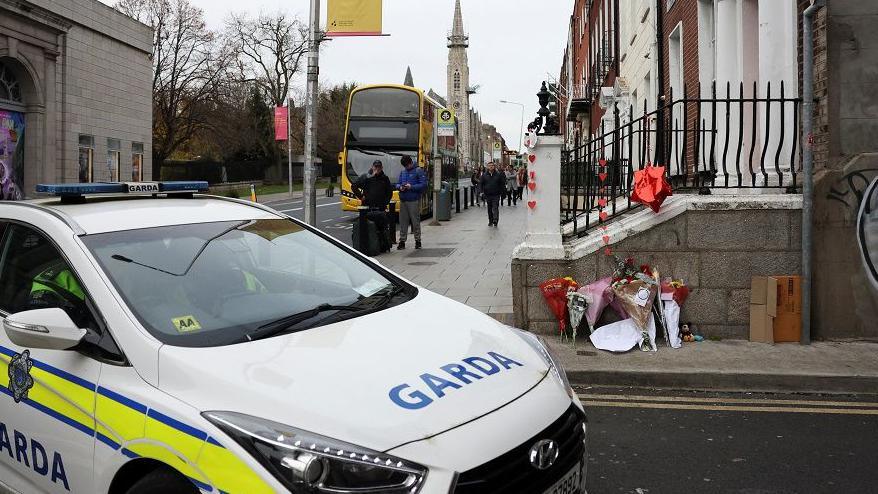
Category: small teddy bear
[686,332]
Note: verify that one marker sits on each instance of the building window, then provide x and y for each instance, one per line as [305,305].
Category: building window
[114,159]
[86,157]
[10,90]
[675,60]
[457,81]
[137,161]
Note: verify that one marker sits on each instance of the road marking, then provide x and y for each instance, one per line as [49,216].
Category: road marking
[730,408]
[740,401]
[302,209]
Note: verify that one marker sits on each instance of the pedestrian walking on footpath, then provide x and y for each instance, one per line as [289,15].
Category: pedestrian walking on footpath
[511,186]
[411,185]
[476,180]
[521,177]
[493,184]
[375,192]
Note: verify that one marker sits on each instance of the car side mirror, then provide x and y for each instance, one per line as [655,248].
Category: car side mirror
[50,329]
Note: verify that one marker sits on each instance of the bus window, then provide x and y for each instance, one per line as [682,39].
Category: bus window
[385,102]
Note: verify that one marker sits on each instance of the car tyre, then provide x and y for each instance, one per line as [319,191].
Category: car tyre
[164,481]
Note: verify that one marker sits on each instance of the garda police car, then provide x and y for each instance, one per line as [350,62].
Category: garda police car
[160,340]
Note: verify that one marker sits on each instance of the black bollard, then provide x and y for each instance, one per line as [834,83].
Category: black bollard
[457,199]
[393,221]
[363,244]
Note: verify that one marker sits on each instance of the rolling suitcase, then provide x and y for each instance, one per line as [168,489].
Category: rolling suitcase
[372,247]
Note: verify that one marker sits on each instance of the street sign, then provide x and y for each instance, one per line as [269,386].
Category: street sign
[353,17]
[446,123]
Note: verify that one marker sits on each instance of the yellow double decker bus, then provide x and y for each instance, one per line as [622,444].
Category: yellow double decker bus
[386,122]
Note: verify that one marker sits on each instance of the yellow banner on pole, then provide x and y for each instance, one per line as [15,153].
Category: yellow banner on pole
[353,17]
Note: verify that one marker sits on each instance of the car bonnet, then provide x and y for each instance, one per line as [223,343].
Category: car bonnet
[401,374]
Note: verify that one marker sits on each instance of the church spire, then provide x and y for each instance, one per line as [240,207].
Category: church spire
[409,81]
[458,36]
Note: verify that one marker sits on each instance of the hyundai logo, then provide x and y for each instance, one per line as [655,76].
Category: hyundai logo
[543,454]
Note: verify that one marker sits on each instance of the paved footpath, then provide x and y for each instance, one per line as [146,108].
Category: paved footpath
[464,259]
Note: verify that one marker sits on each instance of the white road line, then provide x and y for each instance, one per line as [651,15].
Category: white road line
[302,209]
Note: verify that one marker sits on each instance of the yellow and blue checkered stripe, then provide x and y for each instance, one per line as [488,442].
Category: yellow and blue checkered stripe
[134,429]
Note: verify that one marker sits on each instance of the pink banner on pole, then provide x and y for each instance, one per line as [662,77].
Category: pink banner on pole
[281,114]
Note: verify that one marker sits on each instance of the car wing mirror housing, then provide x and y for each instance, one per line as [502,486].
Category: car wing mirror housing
[49,329]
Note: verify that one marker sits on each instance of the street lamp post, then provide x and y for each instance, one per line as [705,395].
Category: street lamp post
[521,127]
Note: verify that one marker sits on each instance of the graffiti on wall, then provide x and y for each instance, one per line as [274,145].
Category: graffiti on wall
[867,231]
[851,188]
[11,155]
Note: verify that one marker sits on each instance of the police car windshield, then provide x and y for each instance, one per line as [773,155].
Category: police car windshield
[211,284]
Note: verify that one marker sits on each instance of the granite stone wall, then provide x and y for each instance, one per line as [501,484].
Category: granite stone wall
[715,252]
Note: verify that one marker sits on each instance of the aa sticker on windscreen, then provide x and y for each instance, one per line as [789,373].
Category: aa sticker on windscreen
[186,324]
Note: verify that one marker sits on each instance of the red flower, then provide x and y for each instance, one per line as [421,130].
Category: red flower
[629,261]
[629,279]
[645,269]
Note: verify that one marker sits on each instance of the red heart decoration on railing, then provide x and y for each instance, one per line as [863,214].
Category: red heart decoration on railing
[533,175]
[532,186]
[608,251]
[606,239]
[602,162]
[604,227]
[602,176]
[532,158]
[531,204]
[603,216]
[602,203]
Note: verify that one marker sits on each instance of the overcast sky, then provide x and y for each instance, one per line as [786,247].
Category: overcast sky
[513,45]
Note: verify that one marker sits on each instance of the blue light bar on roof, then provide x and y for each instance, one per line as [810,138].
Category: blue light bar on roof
[122,188]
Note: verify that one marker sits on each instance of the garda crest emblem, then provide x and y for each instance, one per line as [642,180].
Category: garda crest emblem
[20,380]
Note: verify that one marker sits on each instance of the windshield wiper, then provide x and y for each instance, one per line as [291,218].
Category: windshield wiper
[283,324]
[380,299]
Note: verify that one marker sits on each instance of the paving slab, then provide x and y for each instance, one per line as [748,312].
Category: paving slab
[468,259]
[822,367]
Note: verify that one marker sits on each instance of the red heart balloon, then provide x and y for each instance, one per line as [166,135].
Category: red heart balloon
[606,239]
[532,186]
[602,162]
[602,203]
[533,175]
[603,216]
[602,176]
[531,204]
[532,158]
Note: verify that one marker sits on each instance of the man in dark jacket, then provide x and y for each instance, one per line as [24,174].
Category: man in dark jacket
[375,191]
[493,184]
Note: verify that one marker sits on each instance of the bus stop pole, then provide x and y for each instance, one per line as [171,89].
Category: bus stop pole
[437,184]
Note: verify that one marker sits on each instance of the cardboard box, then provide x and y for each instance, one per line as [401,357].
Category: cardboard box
[763,308]
[761,324]
[788,321]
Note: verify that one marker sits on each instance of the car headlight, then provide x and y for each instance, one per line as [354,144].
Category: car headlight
[551,360]
[305,462]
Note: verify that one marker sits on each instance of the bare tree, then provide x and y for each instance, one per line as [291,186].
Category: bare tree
[270,51]
[188,63]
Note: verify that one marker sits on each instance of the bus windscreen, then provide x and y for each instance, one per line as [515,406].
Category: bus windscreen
[385,103]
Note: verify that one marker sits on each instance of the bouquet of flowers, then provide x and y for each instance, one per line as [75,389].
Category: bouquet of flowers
[555,293]
[636,290]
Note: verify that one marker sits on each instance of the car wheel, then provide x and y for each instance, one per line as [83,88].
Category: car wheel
[162,481]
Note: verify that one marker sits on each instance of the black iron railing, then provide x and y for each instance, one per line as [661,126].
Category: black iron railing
[727,140]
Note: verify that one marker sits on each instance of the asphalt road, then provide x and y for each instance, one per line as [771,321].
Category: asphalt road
[330,218]
[645,441]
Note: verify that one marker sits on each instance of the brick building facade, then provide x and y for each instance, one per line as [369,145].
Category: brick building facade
[75,94]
